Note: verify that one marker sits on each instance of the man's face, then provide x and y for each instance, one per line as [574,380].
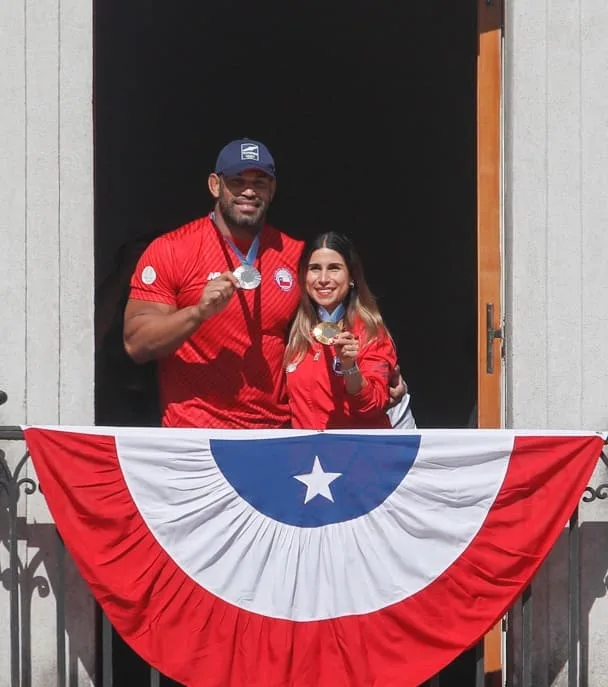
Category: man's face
[244,198]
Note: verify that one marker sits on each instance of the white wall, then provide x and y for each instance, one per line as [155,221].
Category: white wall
[46,284]
[556,211]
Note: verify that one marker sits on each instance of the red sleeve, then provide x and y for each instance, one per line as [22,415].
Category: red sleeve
[154,276]
[376,363]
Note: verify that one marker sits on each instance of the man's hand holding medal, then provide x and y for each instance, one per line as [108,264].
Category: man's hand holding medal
[216,295]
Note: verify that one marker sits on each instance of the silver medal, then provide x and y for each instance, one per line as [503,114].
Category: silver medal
[248,277]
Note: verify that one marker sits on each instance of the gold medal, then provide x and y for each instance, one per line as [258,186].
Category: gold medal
[324,332]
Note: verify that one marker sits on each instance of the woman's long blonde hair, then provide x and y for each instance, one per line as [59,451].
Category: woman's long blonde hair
[360,304]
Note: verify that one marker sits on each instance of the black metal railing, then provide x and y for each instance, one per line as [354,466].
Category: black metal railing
[115,671]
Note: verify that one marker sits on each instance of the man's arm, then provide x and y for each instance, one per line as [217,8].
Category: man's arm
[397,388]
[399,411]
[154,330]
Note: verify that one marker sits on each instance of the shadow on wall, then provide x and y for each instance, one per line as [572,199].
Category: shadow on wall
[550,601]
[47,571]
[594,572]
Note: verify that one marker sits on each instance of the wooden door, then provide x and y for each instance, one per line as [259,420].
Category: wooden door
[489,119]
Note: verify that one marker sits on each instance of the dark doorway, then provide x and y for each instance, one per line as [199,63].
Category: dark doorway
[369,109]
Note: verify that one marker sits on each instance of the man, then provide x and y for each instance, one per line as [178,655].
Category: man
[212,302]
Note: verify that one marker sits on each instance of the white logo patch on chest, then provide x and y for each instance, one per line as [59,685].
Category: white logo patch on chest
[213,275]
[284,279]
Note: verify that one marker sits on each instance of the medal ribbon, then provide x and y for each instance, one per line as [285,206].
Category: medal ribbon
[252,253]
[334,316]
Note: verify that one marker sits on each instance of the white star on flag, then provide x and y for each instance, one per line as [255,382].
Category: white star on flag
[317,482]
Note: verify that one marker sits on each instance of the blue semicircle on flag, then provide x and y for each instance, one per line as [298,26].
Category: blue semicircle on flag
[318,479]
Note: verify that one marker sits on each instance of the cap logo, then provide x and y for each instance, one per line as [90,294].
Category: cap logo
[250,151]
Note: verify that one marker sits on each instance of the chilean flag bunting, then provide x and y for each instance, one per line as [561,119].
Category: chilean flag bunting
[286,558]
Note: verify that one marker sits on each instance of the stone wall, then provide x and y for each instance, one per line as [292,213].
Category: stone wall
[556,257]
[46,297]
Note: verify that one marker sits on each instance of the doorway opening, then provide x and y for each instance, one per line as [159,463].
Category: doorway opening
[370,112]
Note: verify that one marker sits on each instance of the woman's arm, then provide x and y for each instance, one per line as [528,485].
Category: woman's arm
[366,371]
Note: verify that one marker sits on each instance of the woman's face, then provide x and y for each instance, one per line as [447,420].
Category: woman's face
[327,278]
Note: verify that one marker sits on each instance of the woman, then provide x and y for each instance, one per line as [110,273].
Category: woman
[340,356]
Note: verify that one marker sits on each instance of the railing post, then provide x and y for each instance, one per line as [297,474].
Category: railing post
[154,678]
[574,591]
[10,485]
[480,673]
[13,567]
[60,614]
[526,638]
[107,668]
[509,649]
[7,486]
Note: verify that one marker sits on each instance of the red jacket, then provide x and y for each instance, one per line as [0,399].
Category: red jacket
[318,398]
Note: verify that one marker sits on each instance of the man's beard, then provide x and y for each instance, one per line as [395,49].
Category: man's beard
[242,221]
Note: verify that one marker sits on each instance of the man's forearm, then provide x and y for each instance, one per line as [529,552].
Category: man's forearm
[149,336]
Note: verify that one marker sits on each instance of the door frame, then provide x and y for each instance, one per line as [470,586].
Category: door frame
[489,249]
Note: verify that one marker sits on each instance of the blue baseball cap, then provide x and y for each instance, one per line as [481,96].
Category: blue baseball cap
[242,154]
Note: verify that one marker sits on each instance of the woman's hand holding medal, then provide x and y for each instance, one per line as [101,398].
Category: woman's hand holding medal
[216,295]
[346,346]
